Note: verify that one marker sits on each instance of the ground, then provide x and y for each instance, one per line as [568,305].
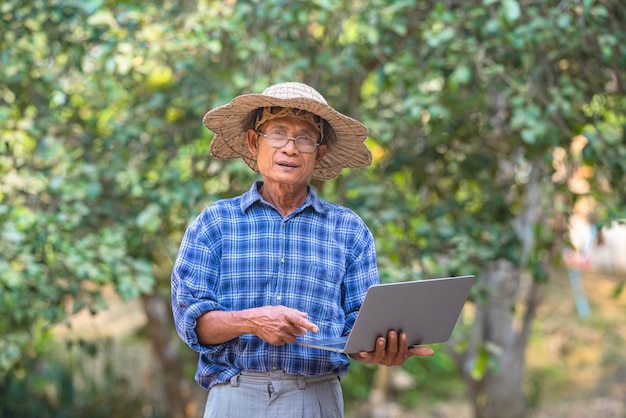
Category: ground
[579,364]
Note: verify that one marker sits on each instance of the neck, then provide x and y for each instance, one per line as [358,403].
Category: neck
[285,198]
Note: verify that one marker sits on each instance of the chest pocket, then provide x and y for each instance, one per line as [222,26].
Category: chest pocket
[324,289]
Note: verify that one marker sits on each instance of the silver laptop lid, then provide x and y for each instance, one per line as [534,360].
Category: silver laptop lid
[426,310]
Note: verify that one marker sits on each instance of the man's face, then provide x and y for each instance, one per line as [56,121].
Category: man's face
[286,165]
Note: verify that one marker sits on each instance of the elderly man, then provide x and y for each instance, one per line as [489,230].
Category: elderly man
[257,271]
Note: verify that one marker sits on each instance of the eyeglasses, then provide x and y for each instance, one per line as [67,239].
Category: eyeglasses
[278,139]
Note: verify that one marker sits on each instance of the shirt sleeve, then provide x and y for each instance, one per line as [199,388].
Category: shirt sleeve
[195,279]
[361,273]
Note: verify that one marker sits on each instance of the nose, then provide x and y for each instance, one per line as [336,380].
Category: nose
[290,146]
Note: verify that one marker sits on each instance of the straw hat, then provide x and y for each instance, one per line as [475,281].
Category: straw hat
[345,141]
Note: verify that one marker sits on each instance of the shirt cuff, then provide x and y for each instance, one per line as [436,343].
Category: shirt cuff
[191,320]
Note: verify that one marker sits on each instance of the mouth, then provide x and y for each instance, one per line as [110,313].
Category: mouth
[287,164]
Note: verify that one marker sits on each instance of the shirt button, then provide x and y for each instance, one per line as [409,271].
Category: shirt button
[279,298]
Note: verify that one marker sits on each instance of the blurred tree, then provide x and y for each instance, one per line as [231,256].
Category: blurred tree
[104,160]
[103,163]
[471,111]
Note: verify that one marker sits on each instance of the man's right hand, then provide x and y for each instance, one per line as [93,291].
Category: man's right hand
[277,325]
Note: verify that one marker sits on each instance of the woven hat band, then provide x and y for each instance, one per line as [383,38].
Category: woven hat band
[270,113]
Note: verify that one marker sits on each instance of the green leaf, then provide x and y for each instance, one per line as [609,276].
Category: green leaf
[88,6]
[149,218]
[511,10]
[479,367]
[461,75]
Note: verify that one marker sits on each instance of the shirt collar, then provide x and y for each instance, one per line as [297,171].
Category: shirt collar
[252,196]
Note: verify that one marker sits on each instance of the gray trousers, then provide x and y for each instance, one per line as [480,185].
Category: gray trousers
[276,394]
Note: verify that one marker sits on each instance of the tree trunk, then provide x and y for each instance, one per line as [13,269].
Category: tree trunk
[378,400]
[165,347]
[499,393]
[500,335]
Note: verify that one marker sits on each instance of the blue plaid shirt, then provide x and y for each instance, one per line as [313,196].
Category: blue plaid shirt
[241,253]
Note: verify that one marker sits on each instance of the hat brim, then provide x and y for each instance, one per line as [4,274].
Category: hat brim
[348,150]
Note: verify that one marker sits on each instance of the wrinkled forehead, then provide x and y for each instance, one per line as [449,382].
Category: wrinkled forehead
[269,113]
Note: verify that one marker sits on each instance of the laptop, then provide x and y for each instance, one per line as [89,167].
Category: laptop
[426,310]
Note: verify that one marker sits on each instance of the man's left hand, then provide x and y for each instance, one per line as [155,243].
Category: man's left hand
[392,351]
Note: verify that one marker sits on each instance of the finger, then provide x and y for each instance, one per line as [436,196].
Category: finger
[379,352]
[421,351]
[402,352]
[392,346]
[299,320]
[362,356]
[303,325]
[311,326]
[397,353]
[376,355]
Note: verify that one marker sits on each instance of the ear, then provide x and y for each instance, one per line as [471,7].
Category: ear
[321,152]
[252,138]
